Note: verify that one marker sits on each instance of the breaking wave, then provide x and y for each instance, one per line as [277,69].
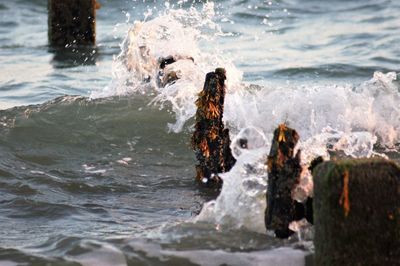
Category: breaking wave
[356,120]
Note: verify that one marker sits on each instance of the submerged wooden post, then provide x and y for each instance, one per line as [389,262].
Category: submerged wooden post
[284,171]
[72,22]
[210,140]
[357,212]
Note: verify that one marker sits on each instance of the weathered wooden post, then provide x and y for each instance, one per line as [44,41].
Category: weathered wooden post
[357,212]
[72,22]
[284,171]
[210,140]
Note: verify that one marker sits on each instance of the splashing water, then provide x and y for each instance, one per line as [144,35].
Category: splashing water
[331,118]
[242,199]
[178,33]
[352,119]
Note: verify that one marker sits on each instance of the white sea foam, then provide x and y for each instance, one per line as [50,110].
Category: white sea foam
[337,118]
[347,118]
[98,254]
[279,256]
[8,263]
[242,199]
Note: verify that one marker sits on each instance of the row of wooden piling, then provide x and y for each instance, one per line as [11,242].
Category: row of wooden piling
[356,204]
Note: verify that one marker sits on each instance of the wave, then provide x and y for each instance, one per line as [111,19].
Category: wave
[308,108]
[93,176]
[130,116]
[81,122]
[353,119]
[184,34]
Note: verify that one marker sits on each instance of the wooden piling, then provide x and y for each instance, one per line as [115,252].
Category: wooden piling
[210,140]
[72,22]
[357,212]
[284,171]
[283,174]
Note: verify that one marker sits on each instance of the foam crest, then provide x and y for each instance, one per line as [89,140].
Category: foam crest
[187,36]
[329,109]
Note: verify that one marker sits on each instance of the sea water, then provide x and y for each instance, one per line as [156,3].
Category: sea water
[95,162]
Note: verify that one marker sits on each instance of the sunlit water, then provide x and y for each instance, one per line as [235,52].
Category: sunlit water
[104,175]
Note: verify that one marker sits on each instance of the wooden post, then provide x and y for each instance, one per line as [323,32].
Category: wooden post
[284,171]
[210,140]
[72,22]
[357,212]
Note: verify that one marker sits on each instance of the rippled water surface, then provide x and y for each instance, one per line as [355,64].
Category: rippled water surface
[96,167]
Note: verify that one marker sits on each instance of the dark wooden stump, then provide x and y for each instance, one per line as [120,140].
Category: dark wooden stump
[284,171]
[283,175]
[357,212]
[72,22]
[210,140]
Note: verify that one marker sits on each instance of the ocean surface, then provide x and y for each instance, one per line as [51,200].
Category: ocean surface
[95,162]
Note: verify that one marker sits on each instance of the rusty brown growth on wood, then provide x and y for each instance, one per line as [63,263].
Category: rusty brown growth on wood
[370,233]
[210,140]
[72,22]
[344,198]
[97,5]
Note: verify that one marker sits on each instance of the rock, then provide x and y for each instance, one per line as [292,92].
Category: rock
[357,212]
